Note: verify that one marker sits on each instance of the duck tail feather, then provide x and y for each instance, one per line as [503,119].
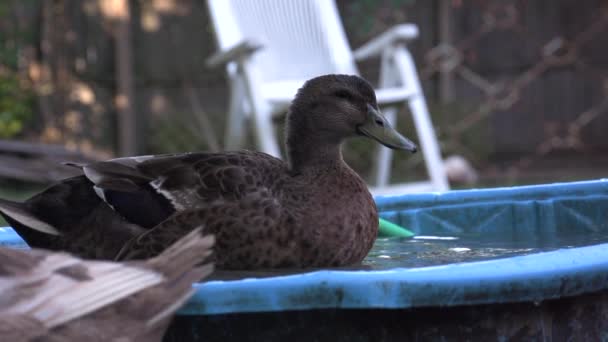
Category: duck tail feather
[107,284]
[181,292]
[74,164]
[183,263]
[185,254]
[106,171]
[18,212]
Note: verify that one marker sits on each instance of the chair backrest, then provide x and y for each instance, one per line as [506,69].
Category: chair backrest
[301,38]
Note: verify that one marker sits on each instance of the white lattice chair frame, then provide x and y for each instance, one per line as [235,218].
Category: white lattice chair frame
[271,47]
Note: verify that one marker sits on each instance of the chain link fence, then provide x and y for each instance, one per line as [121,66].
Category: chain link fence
[573,59]
[519,88]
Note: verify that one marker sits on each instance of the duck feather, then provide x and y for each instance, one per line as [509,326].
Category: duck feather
[58,295]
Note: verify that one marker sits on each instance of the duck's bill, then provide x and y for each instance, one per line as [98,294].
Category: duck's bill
[378,128]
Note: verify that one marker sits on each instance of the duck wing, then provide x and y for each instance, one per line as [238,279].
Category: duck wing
[70,216]
[149,189]
[57,288]
[247,231]
[70,298]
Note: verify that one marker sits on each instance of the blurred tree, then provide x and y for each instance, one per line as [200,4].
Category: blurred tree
[16,102]
[16,95]
[118,12]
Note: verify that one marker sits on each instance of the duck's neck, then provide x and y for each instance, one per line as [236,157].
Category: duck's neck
[313,156]
[308,149]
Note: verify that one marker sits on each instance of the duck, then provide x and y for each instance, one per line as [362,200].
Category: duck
[308,211]
[55,296]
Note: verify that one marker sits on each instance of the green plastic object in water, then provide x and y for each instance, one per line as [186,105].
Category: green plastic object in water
[389,229]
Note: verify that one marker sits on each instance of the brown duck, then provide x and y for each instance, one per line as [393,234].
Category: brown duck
[311,211]
[48,296]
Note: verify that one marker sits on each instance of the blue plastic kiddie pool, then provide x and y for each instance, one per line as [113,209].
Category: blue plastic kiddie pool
[525,262]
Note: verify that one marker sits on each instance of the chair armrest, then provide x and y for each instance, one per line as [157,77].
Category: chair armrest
[402,32]
[236,52]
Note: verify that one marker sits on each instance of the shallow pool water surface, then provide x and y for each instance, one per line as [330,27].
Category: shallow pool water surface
[439,250]
[421,251]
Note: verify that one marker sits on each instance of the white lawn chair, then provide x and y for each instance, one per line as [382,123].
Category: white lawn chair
[271,47]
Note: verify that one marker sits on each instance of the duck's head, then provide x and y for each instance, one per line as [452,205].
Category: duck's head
[331,108]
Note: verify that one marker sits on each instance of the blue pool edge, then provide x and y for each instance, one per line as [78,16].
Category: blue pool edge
[534,278]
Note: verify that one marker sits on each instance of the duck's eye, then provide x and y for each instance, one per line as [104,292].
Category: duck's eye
[379,122]
[343,94]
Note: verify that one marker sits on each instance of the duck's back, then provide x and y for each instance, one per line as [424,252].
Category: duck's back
[198,180]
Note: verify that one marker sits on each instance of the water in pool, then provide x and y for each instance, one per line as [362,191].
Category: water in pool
[423,251]
[438,250]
